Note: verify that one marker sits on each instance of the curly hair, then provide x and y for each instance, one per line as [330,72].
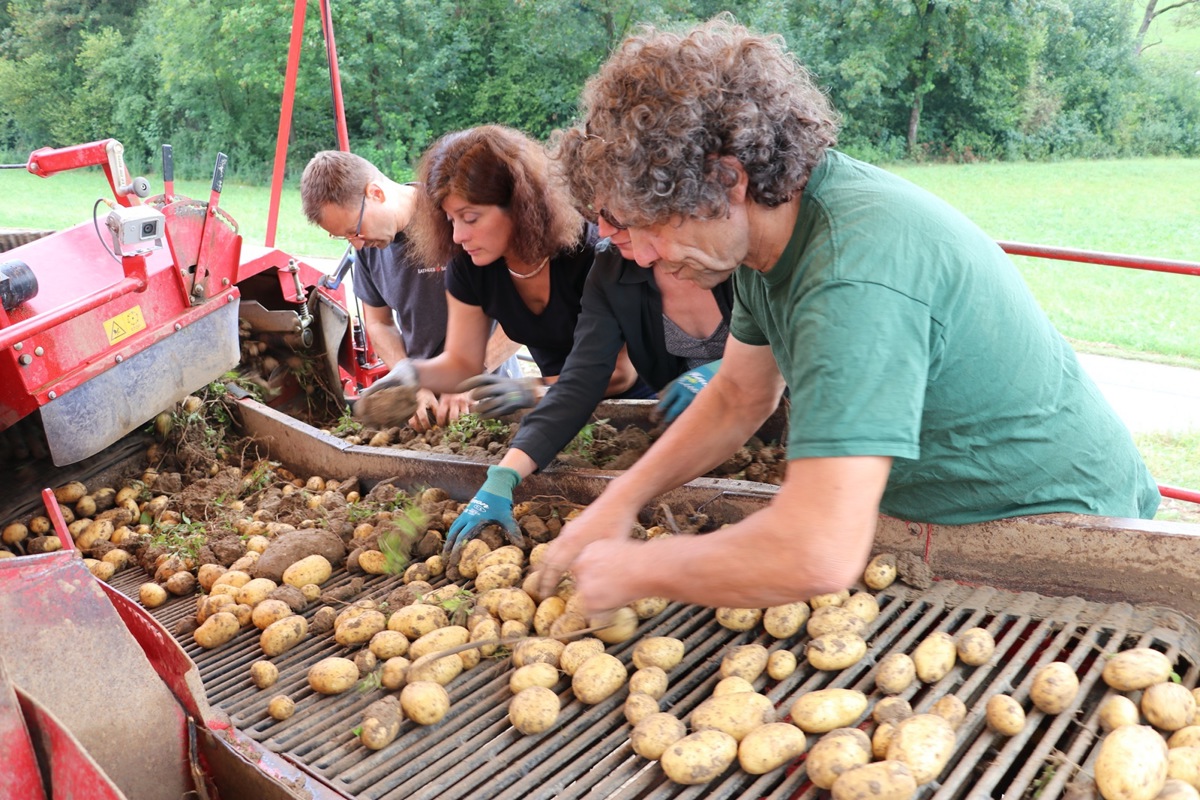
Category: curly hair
[333,177]
[497,166]
[666,107]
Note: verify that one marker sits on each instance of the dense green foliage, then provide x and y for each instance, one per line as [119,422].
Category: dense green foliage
[956,79]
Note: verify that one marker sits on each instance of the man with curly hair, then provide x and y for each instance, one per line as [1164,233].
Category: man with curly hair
[925,382]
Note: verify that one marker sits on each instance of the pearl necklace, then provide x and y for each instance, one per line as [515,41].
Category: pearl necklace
[523,276]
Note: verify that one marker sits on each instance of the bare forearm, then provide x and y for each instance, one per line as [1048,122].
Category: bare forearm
[445,372]
[387,343]
[520,461]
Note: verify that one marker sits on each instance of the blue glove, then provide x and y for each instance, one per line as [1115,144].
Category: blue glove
[492,504]
[497,396]
[403,374]
[679,393]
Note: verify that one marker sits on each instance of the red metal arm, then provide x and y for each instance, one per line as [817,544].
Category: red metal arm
[108,153]
[1095,257]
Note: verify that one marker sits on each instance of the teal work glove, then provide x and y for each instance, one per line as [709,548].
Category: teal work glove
[679,393]
[491,505]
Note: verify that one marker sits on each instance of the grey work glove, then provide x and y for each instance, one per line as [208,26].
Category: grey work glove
[403,374]
[496,396]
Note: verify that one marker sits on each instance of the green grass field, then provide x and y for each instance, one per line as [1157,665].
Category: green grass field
[1146,206]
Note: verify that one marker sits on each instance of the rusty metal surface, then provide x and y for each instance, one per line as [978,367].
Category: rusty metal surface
[475,753]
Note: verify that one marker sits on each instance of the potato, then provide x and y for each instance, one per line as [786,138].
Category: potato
[975,647]
[664,652]
[575,653]
[497,576]
[1183,763]
[547,611]
[1175,789]
[1054,687]
[622,625]
[394,672]
[745,661]
[332,675]
[440,670]
[881,739]
[360,628]
[699,758]
[207,606]
[883,780]
[426,702]
[736,714]
[1184,737]
[781,664]
[649,680]
[255,591]
[598,678]
[216,630]
[534,709]
[924,742]
[770,746]
[829,599]
[566,625]
[507,554]
[264,674]
[648,607]
[537,651]
[834,619]
[310,569]
[1168,706]
[282,635]
[784,622]
[151,595]
[880,572]
[739,619]
[118,558]
[891,709]
[439,640]
[951,709]
[1135,669]
[539,674]
[1119,710]
[70,493]
[207,574]
[863,604]
[732,685]
[103,570]
[638,707]
[417,620]
[654,734]
[281,707]
[838,751]
[1132,762]
[388,644]
[373,562]
[825,709]
[934,658]
[895,673]
[513,629]
[835,651]
[1005,715]
[269,612]
[381,723]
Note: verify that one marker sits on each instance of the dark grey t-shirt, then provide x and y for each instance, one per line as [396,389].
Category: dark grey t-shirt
[417,294]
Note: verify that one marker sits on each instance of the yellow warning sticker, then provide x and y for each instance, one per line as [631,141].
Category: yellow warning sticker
[124,325]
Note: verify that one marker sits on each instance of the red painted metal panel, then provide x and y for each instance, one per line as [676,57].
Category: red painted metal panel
[22,779]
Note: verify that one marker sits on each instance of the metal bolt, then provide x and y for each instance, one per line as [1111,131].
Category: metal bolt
[120,359]
[52,395]
[39,351]
[178,327]
[231,298]
[18,346]
[224,281]
[25,359]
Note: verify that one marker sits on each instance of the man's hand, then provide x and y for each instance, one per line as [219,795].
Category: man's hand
[597,522]
[679,393]
[491,505]
[496,396]
[427,402]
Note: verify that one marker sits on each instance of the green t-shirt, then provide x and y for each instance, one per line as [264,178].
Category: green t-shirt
[902,330]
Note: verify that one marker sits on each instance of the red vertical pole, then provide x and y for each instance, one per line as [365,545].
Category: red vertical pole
[285,117]
[335,77]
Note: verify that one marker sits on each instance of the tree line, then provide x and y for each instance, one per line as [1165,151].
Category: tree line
[923,79]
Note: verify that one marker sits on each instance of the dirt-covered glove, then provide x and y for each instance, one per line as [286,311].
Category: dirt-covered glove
[403,374]
[491,505]
[497,396]
[679,393]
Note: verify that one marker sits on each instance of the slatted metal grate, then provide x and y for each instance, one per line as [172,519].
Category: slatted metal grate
[475,753]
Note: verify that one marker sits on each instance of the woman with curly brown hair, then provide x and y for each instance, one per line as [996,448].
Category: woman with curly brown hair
[516,251]
[925,382]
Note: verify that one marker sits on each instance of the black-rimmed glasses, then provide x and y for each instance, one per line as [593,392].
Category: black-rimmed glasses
[357,228]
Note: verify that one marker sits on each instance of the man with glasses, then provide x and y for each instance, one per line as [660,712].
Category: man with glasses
[925,381]
[404,304]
